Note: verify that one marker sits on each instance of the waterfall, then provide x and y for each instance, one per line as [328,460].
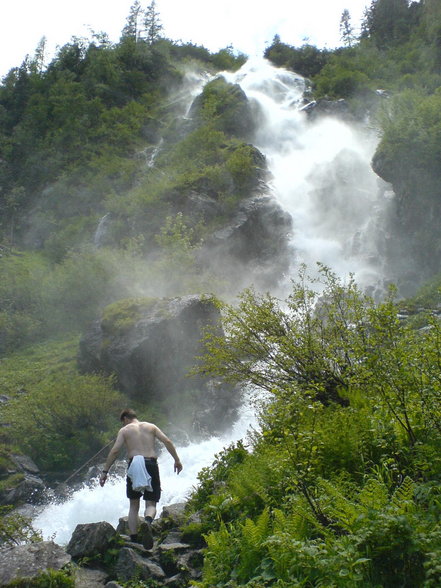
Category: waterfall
[321,175]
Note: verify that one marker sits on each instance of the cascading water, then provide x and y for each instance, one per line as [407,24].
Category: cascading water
[321,175]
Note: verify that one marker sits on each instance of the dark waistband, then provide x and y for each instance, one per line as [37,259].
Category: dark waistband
[146,459]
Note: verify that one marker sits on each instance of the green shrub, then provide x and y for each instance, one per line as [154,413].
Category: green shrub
[66,417]
[47,579]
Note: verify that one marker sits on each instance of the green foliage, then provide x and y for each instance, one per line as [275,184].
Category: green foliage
[47,579]
[120,316]
[65,416]
[337,488]
[307,60]
[16,529]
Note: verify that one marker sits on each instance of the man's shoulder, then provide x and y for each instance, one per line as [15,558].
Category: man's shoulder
[146,424]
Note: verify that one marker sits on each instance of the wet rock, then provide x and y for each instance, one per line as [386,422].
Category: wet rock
[28,561]
[130,564]
[31,489]
[90,540]
[323,107]
[255,242]
[25,463]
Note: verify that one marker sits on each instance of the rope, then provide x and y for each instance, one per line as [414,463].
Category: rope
[85,464]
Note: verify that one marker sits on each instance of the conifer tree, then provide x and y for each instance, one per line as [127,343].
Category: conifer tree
[346,29]
[132,28]
[152,24]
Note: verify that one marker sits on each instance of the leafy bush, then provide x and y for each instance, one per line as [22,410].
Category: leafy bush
[337,488]
[66,418]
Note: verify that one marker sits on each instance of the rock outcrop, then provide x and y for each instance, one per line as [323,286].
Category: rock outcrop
[232,109]
[151,345]
[29,561]
[90,540]
[111,557]
[25,483]
[255,243]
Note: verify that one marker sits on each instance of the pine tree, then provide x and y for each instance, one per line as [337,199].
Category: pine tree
[346,29]
[152,24]
[132,28]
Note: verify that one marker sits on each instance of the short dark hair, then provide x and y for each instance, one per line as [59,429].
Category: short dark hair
[127,413]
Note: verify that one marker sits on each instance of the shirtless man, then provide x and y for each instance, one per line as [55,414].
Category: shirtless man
[139,439]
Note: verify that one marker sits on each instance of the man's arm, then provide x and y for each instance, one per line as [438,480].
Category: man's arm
[170,448]
[113,454]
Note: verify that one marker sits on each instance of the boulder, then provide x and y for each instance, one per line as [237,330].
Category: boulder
[88,578]
[232,109]
[25,463]
[151,345]
[90,539]
[28,561]
[323,107]
[130,564]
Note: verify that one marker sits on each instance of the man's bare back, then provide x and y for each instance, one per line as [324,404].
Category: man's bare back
[138,437]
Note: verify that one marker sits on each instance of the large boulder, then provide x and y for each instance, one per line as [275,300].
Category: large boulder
[131,565]
[151,345]
[228,107]
[90,539]
[29,561]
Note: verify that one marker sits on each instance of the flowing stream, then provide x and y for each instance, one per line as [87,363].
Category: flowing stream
[321,175]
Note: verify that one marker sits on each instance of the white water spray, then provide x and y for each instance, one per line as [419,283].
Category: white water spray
[93,504]
[321,175]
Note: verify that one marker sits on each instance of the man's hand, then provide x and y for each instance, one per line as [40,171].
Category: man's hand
[178,466]
[103,479]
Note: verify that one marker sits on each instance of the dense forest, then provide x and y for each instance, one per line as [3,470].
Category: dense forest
[341,485]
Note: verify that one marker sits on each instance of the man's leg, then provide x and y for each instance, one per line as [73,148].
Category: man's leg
[145,529]
[133,516]
[150,510]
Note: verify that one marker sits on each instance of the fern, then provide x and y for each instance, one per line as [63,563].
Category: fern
[337,507]
[402,499]
[252,548]
[374,494]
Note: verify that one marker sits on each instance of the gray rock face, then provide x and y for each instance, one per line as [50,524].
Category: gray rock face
[153,355]
[89,540]
[28,561]
[323,107]
[25,463]
[255,242]
[87,578]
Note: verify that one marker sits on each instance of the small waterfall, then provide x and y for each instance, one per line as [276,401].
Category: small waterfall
[101,230]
